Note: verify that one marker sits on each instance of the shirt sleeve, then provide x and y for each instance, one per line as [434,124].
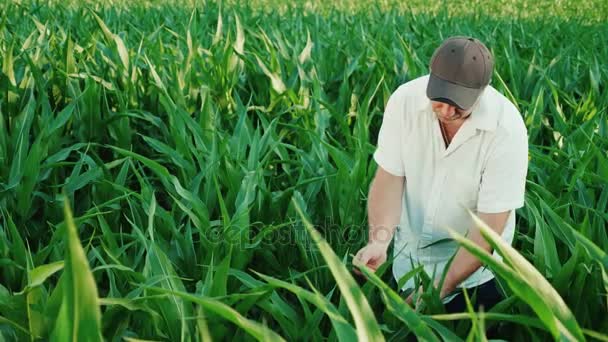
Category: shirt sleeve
[503,179]
[388,152]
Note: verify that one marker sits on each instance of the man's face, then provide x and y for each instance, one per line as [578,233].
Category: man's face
[447,113]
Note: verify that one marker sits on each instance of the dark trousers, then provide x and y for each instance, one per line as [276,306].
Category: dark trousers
[487,296]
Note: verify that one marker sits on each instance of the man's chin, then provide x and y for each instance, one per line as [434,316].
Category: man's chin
[444,120]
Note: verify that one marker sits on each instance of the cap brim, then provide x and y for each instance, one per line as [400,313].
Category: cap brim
[462,96]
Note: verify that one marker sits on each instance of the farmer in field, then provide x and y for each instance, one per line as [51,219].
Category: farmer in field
[448,141]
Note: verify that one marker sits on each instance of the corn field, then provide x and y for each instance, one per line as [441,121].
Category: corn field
[198,171]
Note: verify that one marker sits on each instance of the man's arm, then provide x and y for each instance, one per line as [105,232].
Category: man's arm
[464,263]
[384,206]
[384,214]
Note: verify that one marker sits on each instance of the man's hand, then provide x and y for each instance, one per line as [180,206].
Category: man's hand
[373,256]
[418,295]
[410,299]
[384,213]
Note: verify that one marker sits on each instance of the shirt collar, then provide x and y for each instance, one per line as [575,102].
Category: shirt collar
[485,115]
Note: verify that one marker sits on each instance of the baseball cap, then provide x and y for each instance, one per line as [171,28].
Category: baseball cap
[461,68]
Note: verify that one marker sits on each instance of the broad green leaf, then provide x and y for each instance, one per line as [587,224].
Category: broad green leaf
[79,316]
[275,79]
[21,141]
[41,273]
[526,282]
[5,320]
[157,264]
[255,329]
[396,304]
[305,54]
[344,330]
[519,319]
[365,320]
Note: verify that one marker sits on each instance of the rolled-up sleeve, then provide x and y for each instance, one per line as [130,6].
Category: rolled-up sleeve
[388,152]
[503,179]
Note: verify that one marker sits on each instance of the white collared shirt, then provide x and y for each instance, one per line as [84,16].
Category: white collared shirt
[484,169]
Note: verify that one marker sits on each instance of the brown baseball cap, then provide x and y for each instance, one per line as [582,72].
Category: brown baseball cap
[461,68]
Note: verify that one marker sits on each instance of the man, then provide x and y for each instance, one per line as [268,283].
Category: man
[449,141]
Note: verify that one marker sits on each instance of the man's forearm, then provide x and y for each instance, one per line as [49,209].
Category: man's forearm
[384,207]
[464,263]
